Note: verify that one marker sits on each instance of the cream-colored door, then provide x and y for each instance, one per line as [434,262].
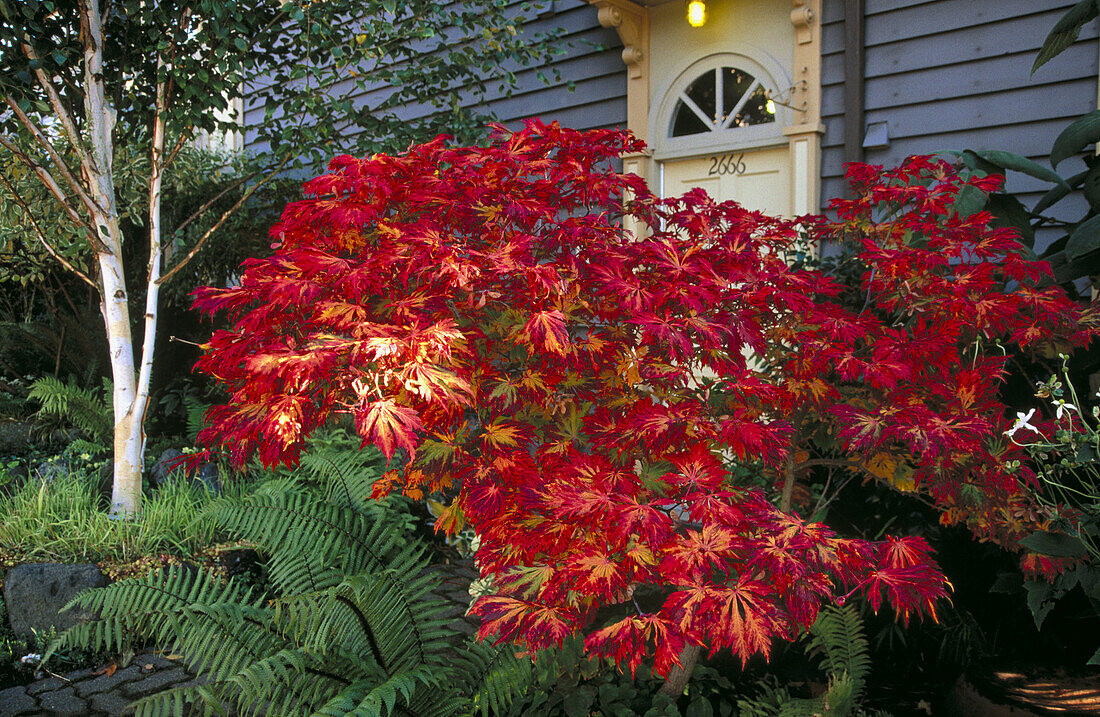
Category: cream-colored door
[758,179]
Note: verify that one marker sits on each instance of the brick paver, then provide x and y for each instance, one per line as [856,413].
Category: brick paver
[84,693]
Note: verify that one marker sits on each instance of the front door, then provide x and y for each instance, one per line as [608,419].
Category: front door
[758,179]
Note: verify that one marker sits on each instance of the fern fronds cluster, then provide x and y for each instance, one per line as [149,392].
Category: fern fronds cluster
[85,409]
[837,635]
[348,627]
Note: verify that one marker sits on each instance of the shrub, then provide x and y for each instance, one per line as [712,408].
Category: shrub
[592,398]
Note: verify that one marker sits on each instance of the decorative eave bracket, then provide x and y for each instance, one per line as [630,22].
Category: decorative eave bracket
[803,18]
[631,22]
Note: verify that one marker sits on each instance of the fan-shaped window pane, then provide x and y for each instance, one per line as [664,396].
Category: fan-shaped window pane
[720,99]
[686,122]
[755,110]
[735,83]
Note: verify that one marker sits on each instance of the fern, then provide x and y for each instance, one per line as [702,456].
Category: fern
[838,635]
[86,410]
[349,627]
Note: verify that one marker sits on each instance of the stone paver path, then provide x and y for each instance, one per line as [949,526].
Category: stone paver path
[93,693]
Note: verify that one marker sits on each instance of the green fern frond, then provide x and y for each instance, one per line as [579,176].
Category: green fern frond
[303,525]
[493,676]
[175,701]
[82,446]
[348,475]
[196,415]
[351,628]
[85,409]
[142,608]
[220,640]
[838,634]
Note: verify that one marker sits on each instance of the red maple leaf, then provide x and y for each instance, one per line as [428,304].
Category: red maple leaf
[388,426]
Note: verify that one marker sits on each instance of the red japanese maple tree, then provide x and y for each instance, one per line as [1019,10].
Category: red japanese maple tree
[582,391]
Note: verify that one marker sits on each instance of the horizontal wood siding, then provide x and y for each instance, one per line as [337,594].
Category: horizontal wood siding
[585,87]
[956,74]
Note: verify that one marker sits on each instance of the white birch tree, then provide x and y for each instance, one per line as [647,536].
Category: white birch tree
[80,77]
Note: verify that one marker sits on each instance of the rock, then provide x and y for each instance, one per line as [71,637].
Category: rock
[51,470]
[209,476]
[63,702]
[34,595]
[110,703]
[16,701]
[15,437]
[163,471]
[155,683]
[242,561]
[47,685]
[108,683]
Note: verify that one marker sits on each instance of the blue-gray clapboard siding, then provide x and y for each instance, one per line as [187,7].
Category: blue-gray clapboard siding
[956,74]
[587,83]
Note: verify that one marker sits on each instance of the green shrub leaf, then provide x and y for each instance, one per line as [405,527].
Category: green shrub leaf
[1079,134]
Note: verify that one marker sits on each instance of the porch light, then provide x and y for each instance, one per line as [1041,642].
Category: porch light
[696,13]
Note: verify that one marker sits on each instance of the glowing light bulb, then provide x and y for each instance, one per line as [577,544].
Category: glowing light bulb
[770,107]
[696,13]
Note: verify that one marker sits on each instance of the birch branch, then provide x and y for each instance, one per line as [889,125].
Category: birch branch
[221,220]
[67,121]
[42,237]
[59,194]
[58,160]
[210,202]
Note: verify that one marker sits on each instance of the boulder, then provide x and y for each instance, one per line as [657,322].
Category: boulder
[162,471]
[209,477]
[15,437]
[34,595]
[50,470]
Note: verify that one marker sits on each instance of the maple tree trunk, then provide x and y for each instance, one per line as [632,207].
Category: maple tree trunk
[678,676]
[789,465]
[788,484]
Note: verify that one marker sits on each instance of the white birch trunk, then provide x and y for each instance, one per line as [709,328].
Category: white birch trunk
[128,410]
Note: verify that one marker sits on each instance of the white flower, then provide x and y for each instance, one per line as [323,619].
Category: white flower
[31,658]
[1061,408]
[1022,421]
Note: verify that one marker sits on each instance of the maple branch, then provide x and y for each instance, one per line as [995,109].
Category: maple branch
[221,220]
[822,503]
[832,462]
[789,468]
[679,675]
[42,237]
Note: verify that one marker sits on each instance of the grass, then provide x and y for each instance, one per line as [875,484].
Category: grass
[66,521]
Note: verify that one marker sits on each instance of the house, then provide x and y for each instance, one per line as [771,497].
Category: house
[766,101]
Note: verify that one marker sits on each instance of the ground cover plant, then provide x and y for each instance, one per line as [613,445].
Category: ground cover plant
[602,407]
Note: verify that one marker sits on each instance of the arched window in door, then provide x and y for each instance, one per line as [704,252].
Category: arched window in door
[720,99]
[720,103]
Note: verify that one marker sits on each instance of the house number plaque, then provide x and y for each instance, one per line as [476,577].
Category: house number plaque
[727,164]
